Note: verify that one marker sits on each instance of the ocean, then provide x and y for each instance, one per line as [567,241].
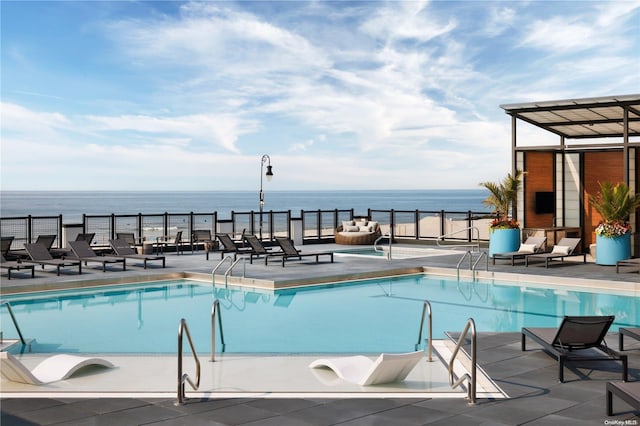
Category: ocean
[72,204]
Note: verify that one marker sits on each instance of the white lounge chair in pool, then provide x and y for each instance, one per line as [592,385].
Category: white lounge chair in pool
[388,368]
[58,367]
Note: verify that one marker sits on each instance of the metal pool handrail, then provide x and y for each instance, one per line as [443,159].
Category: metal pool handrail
[13,318]
[471,378]
[426,308]
[375,244]
[182,378]
[230,269]
[215,308]
[213,273]
[475,234]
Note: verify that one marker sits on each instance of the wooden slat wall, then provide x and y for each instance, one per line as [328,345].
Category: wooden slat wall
[539,177]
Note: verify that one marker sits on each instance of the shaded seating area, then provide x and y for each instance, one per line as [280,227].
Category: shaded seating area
[531,246]
[289,251]
[578,338]
[53,369]
[634,264]
[83,252]
[14,265]
[629,392]
[566,247]
[123,249]
[230,246]
[39,255]
[634,333]
[387,368]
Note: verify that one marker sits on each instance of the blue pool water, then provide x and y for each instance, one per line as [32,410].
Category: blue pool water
[367,316]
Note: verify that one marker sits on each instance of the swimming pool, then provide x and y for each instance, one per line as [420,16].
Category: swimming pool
[371,316]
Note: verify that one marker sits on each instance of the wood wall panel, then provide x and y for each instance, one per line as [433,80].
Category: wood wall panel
[539,177]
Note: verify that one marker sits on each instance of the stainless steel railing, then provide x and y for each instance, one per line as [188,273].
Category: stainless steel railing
[426,309]
[230,269]
[472,377]
[215,309]
[15,322]
[375,244]
[218,265]
[475,236]
[182,378]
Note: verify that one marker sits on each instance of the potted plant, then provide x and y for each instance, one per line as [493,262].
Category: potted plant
[615,204]
[504,230]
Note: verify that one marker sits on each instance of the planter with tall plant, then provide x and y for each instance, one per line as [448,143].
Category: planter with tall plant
[615,204]
[504,230]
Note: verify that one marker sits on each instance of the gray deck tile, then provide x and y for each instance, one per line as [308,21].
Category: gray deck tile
[406,415]
[235,414]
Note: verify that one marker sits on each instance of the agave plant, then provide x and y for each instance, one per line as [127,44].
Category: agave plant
[502,198]
[615,204]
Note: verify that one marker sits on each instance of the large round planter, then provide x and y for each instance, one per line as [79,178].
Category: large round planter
[504,241]
[610,250]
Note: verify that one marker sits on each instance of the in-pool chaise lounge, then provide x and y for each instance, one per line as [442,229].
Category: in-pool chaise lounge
[58,367]
[566,247]
[84,253]
[627,331]
[122,248]
[40,255]
[533,245]
[289,251]
[579,338]
[14,265]
[388,368]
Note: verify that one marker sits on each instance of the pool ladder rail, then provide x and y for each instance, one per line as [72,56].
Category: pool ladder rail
[470,378]
[377,249]
[472,264]
[5,344]
[229,270]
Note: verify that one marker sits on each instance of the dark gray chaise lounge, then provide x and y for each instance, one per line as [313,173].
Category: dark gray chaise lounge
[123,249]
[45,240]
[257,248]
[84,253]
[290,252]
[632,263]
[629,392]
[533,245]
[14,265]
[40,255]
[579,338]
[566,247]
[162,243]
[202,236]
[627,331]
[229,246]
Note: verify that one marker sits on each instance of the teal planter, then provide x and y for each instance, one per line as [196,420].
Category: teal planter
[504,241]
[611,250]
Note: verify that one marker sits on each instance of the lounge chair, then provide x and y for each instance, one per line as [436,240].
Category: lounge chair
[626,331]
[39,254]
[633,263]
[123,249]
[257,248]
[128,237]
[533,245]
[162,243]
[202,236]
[290,252]
[629,392]
[14,265]
[229,246]
[45,240]
[84,253]
[53,369]
[566,247]
[64,252]
[388,368]
[5,245]
[579,338]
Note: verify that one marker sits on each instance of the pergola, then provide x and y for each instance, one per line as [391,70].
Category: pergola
[587,118]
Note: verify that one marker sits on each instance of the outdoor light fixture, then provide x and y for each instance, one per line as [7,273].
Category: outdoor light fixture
[269,175]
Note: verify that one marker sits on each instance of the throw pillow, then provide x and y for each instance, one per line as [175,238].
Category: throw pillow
[527,248]
[560,250]
[346,223]
[351,228]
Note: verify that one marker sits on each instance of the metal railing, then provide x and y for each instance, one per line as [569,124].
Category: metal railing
[474,233]
[464,256]
[375,244]
[230,269]
[218,265]
[13,318]
[182,378]
[426,309]
[484,255]
[470,378]
[215,308]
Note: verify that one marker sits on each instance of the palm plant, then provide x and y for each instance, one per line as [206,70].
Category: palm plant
[502,197]
[615,204]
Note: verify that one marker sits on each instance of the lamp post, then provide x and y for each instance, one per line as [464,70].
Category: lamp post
[269,175]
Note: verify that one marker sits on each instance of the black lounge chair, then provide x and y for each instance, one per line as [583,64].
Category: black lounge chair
[14,265]
[633,263]
[39,254]
[566,247]
[290,252]
[44,240]
[257,248]
[123,249]
[64,252]
[533,245]
[162,243]
[579,338]
[84,253]
[629,392]
[626,331]
[5,245]
[229,246]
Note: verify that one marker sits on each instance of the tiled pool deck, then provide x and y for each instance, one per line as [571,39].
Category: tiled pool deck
[529,378]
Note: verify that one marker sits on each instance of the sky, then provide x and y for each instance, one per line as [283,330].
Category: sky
[340,95]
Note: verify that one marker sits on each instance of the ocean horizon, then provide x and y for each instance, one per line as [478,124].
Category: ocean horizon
[73,204]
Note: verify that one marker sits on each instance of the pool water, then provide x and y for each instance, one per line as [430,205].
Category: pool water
[372,316]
